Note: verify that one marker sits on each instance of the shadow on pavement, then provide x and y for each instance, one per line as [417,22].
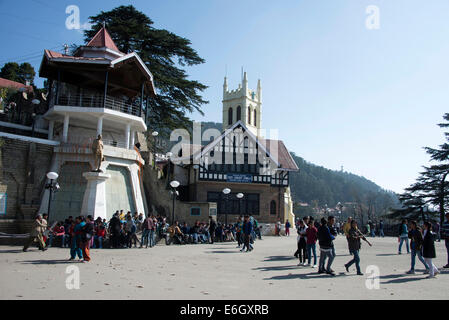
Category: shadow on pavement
[11,251]
[312,275]
[280,258]
[221,251]
[277,268]
[388,254]
[47,261]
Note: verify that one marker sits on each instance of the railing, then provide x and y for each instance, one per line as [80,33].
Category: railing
[98,101]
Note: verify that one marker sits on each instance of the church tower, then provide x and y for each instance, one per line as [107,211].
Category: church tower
[242,104]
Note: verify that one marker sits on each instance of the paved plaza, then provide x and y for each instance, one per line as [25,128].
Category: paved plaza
[218,271]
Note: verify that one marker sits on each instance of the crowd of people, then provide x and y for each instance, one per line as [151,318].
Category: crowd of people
[82,233]
[123,231]
[422,243]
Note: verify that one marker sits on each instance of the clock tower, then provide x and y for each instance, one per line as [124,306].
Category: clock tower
[242,104]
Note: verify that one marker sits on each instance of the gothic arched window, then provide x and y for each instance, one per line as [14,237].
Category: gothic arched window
[239,113]
[255,117]
[249,115]
[230,116]
[273,207]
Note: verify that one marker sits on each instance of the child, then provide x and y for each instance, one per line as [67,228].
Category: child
[429,249]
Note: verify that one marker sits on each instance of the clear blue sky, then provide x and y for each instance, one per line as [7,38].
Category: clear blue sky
[340,94]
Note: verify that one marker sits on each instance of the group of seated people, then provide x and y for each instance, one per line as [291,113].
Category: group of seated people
[130,225]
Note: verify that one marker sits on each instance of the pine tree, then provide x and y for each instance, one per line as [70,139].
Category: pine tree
[164,53]
[431,186]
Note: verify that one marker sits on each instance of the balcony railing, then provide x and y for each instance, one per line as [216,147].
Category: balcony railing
[98,101]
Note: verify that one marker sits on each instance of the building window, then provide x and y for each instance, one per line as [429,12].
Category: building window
[195,211]
[239,113]
[255,117]
[230,116]
[249,115]
[230,204]
[273,207]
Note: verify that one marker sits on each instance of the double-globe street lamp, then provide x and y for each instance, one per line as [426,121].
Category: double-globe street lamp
[51,186]
[174,184]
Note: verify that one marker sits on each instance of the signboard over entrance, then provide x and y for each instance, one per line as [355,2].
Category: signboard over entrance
[239,178]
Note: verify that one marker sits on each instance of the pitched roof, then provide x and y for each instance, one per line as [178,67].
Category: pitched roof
[103,39]
[281,156]
[5,83]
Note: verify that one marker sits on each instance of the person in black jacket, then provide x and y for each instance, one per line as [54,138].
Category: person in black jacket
[212,227]
[429,249]
[114,230]
[325,240]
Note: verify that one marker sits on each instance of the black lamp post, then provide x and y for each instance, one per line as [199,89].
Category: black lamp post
[51,186]
[154,134]
[174,184]
[226,191]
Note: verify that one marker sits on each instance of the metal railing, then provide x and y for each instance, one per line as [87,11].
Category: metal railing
[98,101]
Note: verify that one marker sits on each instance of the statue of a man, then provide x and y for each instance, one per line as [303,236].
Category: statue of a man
[97,150]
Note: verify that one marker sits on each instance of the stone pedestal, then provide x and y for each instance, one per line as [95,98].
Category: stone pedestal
[94,201]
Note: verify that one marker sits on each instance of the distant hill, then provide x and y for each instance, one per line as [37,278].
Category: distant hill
[325,186]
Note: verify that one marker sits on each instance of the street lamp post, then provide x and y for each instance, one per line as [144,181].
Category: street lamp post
[226,191]
[169,155]
[35,102]
[154,134]
[174,184]
[52,185]
[240,196]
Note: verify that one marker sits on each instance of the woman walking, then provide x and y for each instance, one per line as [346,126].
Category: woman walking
[75,249]
[302,254]
[429,249]
[311,238]
[354,244]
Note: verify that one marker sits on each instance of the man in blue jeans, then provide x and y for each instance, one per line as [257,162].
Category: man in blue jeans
[444,231]
[416,241]
[403,236]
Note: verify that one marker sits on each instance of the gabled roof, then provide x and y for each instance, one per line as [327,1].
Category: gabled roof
[5,83]
[102,39]
[284,160]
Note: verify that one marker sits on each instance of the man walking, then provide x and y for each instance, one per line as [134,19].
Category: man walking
[381,229]
[37,234]
[325,240]
[247,229]
[212,227]
[403,236]
[416,242]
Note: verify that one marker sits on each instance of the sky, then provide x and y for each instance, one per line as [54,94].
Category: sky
[340,93]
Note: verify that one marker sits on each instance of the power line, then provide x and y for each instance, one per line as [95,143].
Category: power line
[28,55]
[9,15]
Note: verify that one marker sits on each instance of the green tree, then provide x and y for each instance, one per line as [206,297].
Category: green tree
[431,187]
[10,71]
[19,73]
[165,53]
[26,73]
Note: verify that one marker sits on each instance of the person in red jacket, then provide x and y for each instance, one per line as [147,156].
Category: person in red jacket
[311,237]
[57,232]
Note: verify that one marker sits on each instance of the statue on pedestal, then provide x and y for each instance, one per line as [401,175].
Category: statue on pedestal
[97,150]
